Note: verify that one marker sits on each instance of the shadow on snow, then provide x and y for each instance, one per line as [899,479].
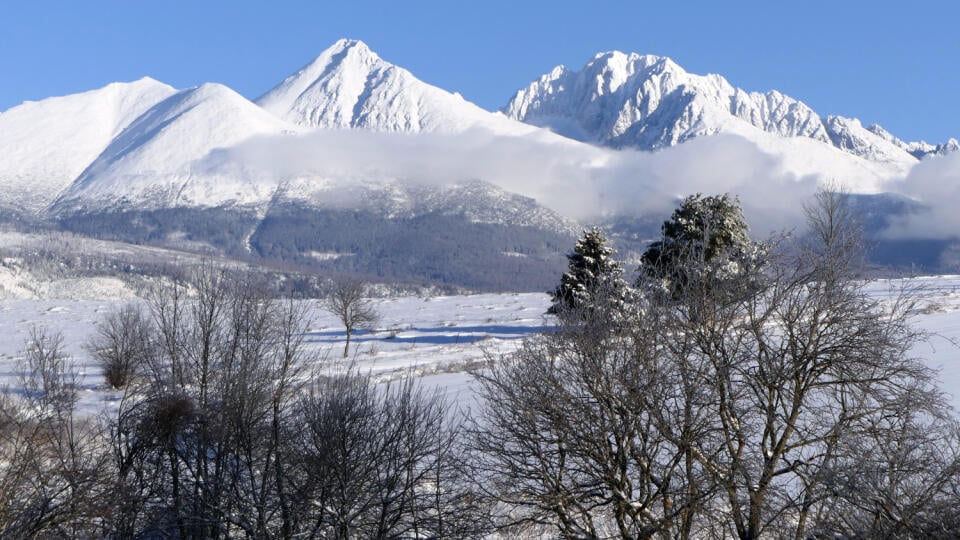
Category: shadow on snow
[436,335]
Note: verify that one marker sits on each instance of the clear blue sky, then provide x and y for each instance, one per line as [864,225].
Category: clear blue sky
[884,62]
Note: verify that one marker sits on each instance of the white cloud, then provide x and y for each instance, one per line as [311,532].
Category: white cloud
[935,183]
[577,180]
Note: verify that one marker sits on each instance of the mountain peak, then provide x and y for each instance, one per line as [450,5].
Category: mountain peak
[147,80]
[350,86]
[344,51]
[345,44]
[633,63]
[158,158]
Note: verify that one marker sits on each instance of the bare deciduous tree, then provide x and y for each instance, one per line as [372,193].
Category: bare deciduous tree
[589,430]
[229,436]
[200,445]
[122,345]
[225,439]
[348,300]
[379,463]
[52,460]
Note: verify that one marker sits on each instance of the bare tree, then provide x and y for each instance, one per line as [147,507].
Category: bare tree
[349,302]
[223,439]
[52,459]
[229,437]
[199,444]
[378,462]
[899,478]
[219,437]
[588,431]
[122,345]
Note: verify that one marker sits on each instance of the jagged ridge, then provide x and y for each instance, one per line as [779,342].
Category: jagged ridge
[650,102]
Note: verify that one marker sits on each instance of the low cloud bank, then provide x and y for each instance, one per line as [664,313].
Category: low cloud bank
[935,183]
[579,181]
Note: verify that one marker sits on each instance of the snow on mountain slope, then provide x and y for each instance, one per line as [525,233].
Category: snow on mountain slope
[476,201]
[805,157]
[921,149]
[849,135]
[46,144]
[349,86]
[650,102]
[155,161]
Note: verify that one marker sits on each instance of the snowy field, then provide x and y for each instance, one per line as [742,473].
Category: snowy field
[436,338]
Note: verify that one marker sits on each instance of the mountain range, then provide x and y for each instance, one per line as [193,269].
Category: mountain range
[650,102]
[145,147]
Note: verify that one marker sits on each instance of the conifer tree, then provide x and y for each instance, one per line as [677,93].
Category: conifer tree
[702,235]
[592,267]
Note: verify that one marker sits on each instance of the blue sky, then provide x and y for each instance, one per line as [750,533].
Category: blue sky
[882,62]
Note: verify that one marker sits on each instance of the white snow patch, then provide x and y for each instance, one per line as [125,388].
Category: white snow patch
[328,255]
[437,338]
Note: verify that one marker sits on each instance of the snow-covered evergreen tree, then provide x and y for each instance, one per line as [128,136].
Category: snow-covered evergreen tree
[594,276]
[705,235]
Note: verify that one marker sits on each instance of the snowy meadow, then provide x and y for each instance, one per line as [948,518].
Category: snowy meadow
[437,339]
[392,434]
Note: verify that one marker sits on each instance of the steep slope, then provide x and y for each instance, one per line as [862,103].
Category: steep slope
[650,102]
[155,162]
[349,86]
[45,145]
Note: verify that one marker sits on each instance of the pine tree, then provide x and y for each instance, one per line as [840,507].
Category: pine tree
[593,271]
[704,234]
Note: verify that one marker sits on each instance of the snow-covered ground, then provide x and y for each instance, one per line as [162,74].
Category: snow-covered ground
[937,314]
[436,338]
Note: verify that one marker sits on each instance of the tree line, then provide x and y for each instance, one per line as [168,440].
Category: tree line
[732,388]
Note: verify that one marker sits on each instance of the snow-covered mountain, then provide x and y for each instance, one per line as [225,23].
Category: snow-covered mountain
[146,145]
[46,145]
[349,86]
[650,102]
[920,149]
[354,156]
[154,161]
[183,151]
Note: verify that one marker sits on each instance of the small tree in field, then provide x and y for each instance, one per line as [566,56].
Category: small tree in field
[348,301]
[121,345]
